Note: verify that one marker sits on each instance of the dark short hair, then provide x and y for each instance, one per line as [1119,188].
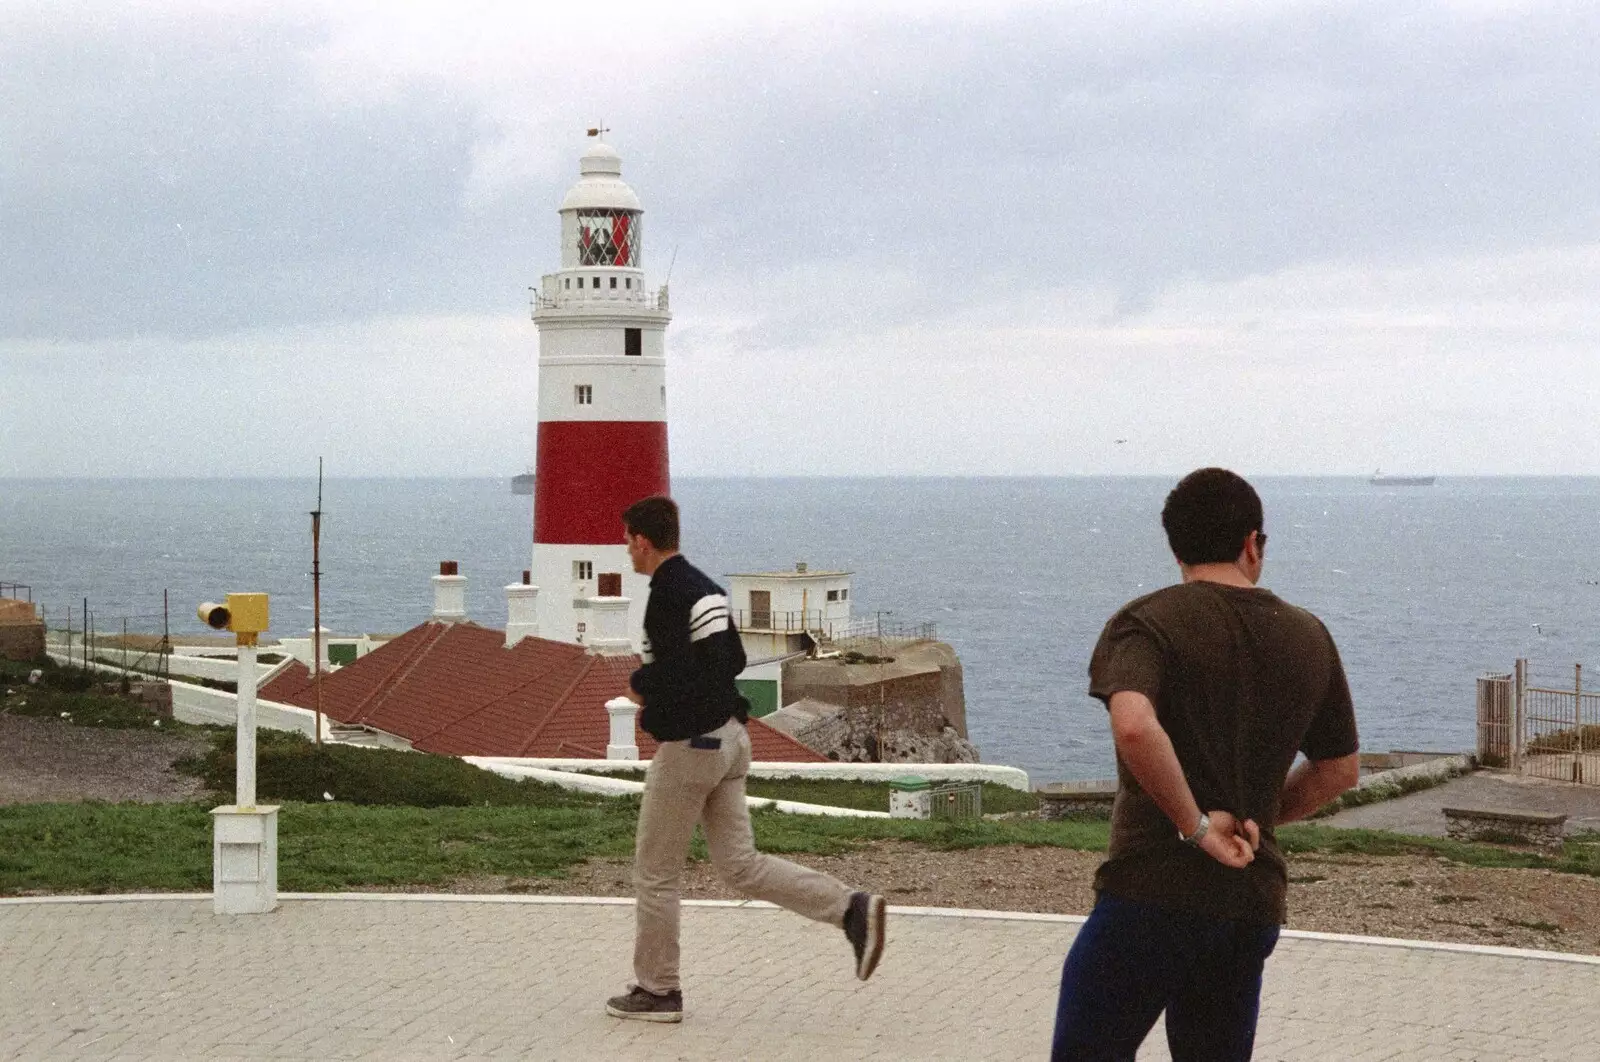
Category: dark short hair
[1208,515]
[656,519]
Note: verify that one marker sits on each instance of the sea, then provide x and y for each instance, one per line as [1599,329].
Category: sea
[1424,588]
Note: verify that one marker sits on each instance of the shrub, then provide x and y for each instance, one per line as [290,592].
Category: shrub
[290,767]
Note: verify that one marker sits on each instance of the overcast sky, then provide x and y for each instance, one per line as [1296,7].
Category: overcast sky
[918,238]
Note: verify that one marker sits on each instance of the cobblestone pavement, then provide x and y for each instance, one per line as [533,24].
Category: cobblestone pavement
[446,978]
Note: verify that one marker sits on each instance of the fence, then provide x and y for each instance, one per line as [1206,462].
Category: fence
[139,642]
[956,800]
[1538,725]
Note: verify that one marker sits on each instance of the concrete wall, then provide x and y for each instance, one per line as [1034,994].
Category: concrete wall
[201,704]
[998,774]
[22,641]
[216,668]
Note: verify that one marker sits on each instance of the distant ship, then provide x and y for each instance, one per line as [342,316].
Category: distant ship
[1380,480]
[522,484]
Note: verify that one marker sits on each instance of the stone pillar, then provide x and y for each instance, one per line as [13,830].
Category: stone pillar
[622,712]
[449,594]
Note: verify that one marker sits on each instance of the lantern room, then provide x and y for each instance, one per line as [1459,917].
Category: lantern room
[600,215]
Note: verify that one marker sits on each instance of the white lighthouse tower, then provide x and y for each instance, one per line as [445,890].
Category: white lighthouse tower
[602,442]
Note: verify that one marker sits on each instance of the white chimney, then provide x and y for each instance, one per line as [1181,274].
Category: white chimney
[449,594]
[621,745]
[311,650]
[608,626]
[522,611]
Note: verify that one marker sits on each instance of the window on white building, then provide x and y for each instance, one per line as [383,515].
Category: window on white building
[613,281]
[583,571]
[844,595]
[833,595]
[583,394]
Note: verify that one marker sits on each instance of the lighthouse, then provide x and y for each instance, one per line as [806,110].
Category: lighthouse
[602,440]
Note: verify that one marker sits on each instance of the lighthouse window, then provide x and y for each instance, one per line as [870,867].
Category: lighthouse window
[613,281]
[583,394]
[833,595]
[632,342]
[607,237]
[580,283]
[597,283]
[583,571]
[627,282]
[844,595]
[569,283]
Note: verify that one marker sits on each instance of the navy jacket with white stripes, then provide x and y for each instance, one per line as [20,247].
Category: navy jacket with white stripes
[691,654]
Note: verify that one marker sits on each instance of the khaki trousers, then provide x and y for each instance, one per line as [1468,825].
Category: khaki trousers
[685,786]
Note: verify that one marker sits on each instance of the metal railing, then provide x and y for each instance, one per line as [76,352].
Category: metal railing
[809,621]
[878,630]
[1539,726]
[591,299]
[13,591]
[956,800]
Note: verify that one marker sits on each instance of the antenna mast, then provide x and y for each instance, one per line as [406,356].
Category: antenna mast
[316,600]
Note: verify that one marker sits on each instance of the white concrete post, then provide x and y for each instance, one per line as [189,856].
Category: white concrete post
[522,612]
[608,626]
[244,837]
[449,594]
[244,742]
[622,711]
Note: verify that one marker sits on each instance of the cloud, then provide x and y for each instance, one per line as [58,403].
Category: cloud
[209,173]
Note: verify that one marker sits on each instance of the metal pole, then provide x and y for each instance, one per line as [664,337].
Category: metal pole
[166,641]
[1577,714]
[1520,678]
[245,738]
[316,601]
[124,643]
[86,634]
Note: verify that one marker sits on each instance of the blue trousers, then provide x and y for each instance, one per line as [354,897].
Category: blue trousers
[1131,961]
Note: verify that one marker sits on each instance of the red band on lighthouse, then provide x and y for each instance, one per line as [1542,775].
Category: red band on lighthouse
[589,472]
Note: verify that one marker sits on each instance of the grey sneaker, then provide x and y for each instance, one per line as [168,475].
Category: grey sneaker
[643,1005]
[863,927]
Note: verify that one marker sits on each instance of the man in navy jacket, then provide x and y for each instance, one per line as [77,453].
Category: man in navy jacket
[693,709]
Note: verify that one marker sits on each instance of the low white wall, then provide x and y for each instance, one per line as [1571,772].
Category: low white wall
[201,704]
[590,783]
[218,668]
[997,774]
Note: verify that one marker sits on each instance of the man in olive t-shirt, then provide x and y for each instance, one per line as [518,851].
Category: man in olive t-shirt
[1214,685]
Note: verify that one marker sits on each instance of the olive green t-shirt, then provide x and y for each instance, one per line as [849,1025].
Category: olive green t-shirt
[1241,681]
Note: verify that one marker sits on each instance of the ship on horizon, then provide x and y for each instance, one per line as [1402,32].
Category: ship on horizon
[523,483]
[1380,480]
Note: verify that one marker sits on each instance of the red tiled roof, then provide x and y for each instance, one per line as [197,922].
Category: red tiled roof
[456,689]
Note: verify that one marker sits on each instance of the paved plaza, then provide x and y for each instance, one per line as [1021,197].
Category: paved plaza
[406,977]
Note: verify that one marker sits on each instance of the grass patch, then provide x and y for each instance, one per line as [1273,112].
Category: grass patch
[167,847]
[1575,858]
[78,697]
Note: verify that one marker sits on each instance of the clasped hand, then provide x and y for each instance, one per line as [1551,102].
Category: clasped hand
[1231,841]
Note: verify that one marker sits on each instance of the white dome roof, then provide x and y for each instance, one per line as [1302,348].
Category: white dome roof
[601,186]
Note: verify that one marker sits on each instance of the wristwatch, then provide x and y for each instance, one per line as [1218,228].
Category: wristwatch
[1193,840]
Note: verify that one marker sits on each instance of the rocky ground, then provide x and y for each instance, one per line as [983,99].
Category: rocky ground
[45,760]
[1413,896]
